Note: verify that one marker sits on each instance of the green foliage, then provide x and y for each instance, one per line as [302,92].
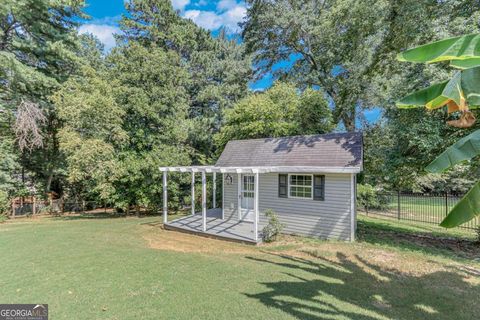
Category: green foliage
[452,49]
[273,228]
[4,203]
[367,197]
[279,111]
[464,149]
[34,60]
[459,93]
[37,43]
[464,87]
[466,209]
[217,69]
[347,47]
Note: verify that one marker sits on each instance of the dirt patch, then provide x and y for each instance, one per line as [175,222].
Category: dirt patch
[159,238]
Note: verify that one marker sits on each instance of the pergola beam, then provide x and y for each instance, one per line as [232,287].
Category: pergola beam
[263,169]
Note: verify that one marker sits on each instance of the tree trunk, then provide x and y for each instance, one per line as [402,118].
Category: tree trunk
[349,122]
[137,210]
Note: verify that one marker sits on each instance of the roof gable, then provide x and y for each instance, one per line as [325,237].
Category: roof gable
[338,150]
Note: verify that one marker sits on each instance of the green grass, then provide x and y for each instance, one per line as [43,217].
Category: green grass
[105,269]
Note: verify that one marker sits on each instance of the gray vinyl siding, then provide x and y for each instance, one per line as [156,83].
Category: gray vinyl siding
[330,218]
[230,200]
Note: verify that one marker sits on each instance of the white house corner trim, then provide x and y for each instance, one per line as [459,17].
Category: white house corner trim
[352,208]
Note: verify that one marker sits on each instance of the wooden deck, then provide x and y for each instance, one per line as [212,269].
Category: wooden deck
[232,230]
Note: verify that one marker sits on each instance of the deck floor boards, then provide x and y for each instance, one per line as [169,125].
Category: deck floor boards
[227,229]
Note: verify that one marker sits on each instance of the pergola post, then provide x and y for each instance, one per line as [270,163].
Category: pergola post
[193,193]
[204,201]
[255,208]
[214,190]
[165,197]
[239,204]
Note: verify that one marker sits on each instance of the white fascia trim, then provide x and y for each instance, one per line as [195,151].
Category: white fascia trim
[264,169]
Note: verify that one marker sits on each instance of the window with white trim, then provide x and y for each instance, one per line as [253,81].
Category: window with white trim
[300,186]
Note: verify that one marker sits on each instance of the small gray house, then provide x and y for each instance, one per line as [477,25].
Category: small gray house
[308,181]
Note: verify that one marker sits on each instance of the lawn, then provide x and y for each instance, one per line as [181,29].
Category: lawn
[129,268]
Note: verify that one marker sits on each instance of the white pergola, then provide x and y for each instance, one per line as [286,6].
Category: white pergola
[238,170]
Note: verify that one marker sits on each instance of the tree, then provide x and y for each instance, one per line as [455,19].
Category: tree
[37,41]
[92,128]
[345,47]
[459,95]
[279,111]
[151,91]
[217,68]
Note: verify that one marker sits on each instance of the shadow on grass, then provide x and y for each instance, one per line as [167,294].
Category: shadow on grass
[381,233]
[357,289]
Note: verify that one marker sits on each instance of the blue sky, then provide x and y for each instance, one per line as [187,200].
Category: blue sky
[211,15]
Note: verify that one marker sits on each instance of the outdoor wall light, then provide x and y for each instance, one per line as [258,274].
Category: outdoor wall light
[228,179]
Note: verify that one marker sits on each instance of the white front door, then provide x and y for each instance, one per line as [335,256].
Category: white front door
[247,195]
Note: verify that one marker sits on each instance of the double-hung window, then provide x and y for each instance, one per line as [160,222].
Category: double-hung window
[303,186]
[300,186]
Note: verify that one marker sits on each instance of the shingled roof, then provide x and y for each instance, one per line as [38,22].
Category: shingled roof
[336,150]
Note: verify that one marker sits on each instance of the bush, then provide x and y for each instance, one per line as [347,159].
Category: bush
[4,202]
[367,197]
[273,228]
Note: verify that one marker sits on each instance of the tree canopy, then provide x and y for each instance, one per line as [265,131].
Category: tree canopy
[279,111]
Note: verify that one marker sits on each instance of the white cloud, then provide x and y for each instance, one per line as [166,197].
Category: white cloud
[180,4]
[229,13]
[223,5]
[103,32]
[205,19]
[201,3]
[233,16]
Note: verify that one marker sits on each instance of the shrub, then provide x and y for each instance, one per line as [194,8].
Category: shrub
[477,233]
[273,228]
[367,197]
[4,202]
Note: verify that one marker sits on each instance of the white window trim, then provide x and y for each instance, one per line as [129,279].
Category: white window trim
[289,185]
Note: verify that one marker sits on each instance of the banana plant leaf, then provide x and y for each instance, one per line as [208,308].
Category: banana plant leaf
[458,48]
[465,210]
[435,96]
[464,149]
[466,82]
[465,64]
[471,86]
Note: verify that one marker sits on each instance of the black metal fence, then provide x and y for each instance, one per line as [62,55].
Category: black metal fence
[58,207]
[420,207]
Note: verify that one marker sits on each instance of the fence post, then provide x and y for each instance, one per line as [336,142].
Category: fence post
[398,205]
[34,206]
[446,203]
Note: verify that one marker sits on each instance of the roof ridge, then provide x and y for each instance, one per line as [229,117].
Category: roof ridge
[304,136]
